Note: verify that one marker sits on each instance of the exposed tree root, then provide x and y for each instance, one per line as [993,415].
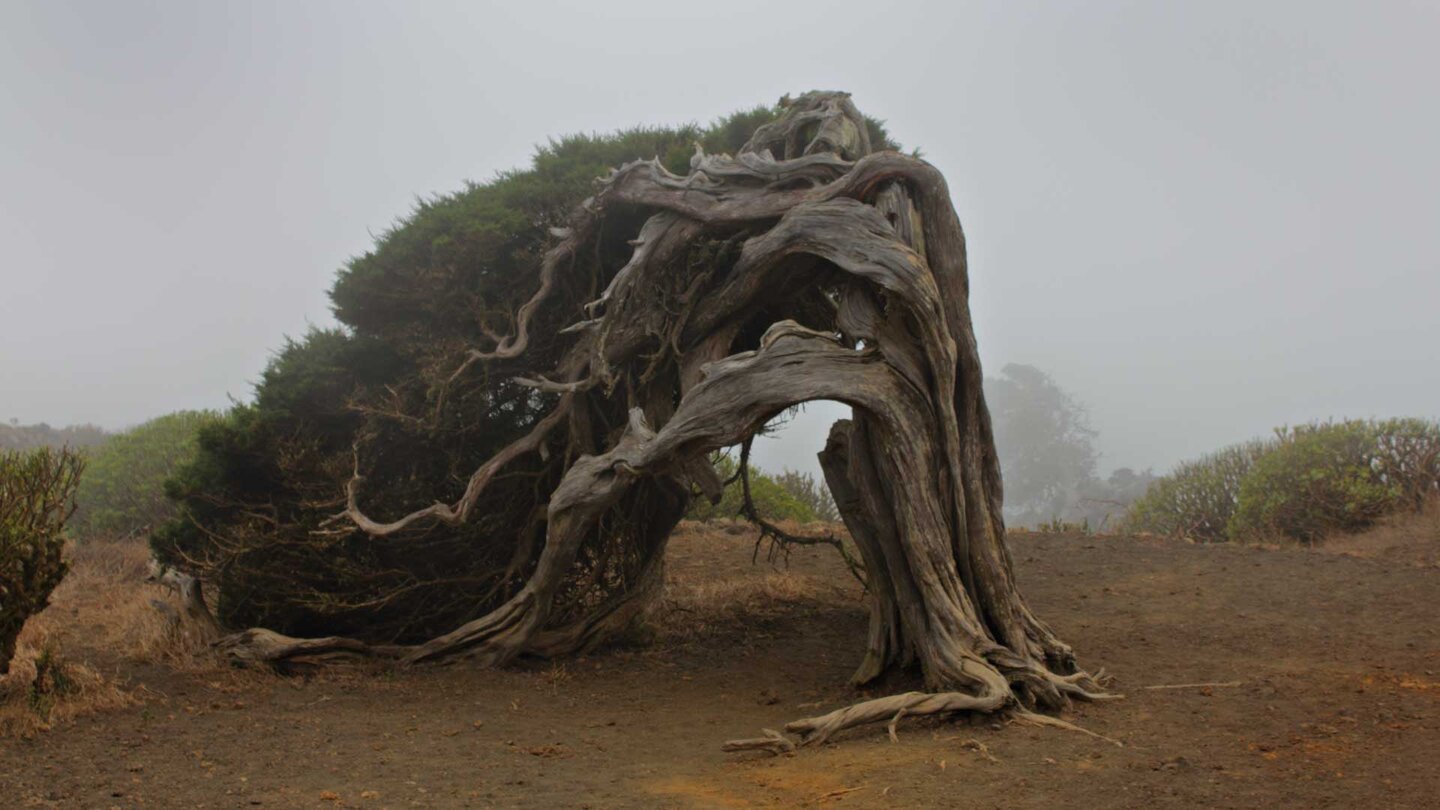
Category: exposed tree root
[894,708]
[774,742]
[815,730]
[260,646]
[1031,718]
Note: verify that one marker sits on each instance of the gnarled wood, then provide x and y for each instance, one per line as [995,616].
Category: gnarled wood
[194,615]
[806,267]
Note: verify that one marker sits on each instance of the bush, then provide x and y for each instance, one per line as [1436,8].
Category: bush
[123,491]
[1304,483]
[36,492]
[1198,499]
[1326,478]
[813,493]
[773,501]
[1409,458]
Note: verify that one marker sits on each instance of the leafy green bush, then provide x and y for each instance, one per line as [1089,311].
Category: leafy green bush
[36,494]
[1198,499]
[1304,483]
[1325,478]
[123,491]
[809,491]
[772,501]
[1409,458]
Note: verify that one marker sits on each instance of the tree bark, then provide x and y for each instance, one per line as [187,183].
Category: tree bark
[851,285]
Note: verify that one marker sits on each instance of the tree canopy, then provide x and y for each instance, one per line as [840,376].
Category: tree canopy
[392,390]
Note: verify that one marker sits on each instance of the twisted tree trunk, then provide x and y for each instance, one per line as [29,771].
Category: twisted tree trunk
[850,284]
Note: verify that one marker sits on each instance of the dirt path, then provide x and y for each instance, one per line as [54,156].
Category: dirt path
[1339,704]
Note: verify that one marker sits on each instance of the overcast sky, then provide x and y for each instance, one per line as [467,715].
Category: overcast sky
[1201,219]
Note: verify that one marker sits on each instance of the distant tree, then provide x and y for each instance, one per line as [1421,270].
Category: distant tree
[1101,504]
[1044,440]
[16,436]
[1125,484]
[123,492]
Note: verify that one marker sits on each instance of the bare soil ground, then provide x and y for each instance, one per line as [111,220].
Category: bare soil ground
[1337,705]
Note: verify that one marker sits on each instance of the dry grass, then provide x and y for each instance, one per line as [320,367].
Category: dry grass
[100,616]
[1405,537]
[105,605]
[713,589]
[101,619]
[43,688]
[693,609]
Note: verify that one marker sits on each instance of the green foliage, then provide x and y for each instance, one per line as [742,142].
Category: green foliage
[1318,480]
[380,397]
[272,469]
[123,491]
[772,501]
[813,493]
[37,489]
[1304,483]
[480,244]
[1198,499]
[1408,458]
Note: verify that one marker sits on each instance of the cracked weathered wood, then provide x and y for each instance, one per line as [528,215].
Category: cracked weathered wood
[827,271]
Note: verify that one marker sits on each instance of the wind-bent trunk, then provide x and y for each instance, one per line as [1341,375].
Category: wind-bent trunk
[850,285]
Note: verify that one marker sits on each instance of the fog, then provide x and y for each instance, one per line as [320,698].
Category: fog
[1202,220]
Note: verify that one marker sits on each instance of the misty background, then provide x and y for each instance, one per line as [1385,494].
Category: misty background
[1200,221]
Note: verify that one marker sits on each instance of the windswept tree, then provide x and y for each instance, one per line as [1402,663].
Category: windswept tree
[487,461]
